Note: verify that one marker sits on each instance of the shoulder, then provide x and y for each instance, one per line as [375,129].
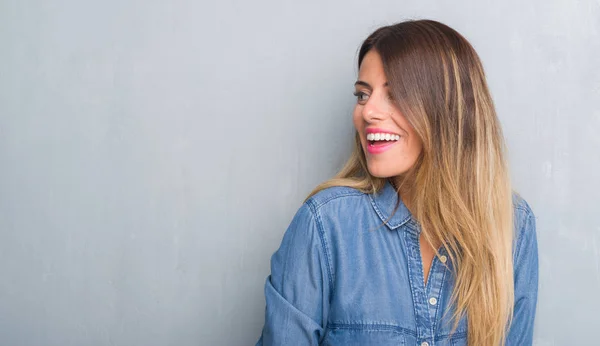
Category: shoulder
[520,204]
[326,205]
[317,222]
[522,210]
[336,210]
[333,196]
[525,223]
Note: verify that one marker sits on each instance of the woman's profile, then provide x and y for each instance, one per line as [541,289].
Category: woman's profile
[419,239]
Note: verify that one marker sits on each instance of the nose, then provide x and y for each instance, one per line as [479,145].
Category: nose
[372,112]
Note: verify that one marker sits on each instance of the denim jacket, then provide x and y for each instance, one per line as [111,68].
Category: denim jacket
[335,280]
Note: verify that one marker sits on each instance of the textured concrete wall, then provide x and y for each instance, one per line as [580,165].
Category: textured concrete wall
[152,154]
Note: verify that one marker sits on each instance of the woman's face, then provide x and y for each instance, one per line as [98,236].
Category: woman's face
[390,143]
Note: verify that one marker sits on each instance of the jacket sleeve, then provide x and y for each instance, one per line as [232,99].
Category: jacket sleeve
[526,282]
[297,290]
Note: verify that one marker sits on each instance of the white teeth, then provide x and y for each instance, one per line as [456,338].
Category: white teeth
[382,137]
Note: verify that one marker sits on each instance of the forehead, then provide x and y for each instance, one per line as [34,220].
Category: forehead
[371,67]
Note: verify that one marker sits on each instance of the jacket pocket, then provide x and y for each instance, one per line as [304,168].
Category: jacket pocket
[363,335]
[458,341]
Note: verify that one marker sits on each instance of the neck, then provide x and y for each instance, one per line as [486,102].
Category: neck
[406,191]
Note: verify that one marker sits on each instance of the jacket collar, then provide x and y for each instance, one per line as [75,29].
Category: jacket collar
[384,202]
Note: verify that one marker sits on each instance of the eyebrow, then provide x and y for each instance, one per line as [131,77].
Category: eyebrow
[363,83]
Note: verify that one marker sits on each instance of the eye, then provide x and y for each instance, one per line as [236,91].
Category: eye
[360,94]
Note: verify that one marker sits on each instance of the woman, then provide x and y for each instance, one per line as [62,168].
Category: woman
[419,239]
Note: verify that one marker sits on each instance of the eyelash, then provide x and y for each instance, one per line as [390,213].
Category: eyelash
[360,93]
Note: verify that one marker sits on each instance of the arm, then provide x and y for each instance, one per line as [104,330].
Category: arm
[526,283]
[297,290]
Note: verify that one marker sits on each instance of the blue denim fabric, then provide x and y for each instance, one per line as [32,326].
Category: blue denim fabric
[338,279]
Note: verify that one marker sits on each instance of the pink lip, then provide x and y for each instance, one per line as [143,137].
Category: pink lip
[372,149]
[377,149]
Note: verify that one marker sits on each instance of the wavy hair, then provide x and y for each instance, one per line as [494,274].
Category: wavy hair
[460,185]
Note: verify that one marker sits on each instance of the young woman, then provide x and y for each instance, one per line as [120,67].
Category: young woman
[419,239]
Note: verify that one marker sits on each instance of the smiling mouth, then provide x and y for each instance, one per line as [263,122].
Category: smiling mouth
[378,139]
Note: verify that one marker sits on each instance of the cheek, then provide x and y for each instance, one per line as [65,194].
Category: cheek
[358,124]
[357,119]
[397,161]
[415,145]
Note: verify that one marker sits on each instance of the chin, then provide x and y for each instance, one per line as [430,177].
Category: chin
[385,171]
[381,172]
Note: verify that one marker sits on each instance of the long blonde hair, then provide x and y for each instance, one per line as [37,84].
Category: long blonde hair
[460,187]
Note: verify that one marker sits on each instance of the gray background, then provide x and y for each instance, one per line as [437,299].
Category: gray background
[152,154]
